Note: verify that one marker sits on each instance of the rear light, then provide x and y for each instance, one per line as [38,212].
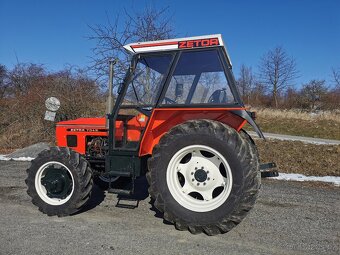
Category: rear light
[253,115]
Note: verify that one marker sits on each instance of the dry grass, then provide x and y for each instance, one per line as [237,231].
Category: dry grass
[303,158]
[295,122]
[298,114]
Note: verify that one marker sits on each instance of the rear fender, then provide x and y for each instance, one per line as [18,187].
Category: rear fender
[163,119]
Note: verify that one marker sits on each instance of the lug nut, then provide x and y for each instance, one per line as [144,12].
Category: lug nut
[192,179]
[204,183]
[192,173]
[207,172]
[198,184]
[208,178]
[195,168]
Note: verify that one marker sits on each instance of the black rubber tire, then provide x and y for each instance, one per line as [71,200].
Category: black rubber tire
[254,153]
[250,140]
[82,175]
[244,166]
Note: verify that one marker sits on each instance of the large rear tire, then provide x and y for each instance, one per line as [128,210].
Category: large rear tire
[203,176]
[59,181]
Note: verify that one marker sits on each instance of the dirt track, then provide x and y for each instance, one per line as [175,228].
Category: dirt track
[289,218]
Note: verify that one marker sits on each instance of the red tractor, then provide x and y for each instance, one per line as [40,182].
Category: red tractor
[177,119]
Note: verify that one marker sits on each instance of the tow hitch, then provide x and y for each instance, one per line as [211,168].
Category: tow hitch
[269,170]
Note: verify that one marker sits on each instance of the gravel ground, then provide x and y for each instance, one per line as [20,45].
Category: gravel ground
[288,218]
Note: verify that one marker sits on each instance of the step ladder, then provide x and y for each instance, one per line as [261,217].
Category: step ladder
[121,191]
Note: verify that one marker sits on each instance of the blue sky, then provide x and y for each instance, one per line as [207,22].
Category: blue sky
[54,33]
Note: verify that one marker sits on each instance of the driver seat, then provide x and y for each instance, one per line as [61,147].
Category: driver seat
[218,97]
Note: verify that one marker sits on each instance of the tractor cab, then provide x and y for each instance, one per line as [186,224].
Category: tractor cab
[189,73]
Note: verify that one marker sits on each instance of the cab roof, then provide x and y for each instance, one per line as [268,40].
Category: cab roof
[204,41]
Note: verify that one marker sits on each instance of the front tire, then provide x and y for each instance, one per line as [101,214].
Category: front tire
[59,181]
[203,177]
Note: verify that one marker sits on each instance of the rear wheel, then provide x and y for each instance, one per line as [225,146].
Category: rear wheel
[203,177]
[59,181]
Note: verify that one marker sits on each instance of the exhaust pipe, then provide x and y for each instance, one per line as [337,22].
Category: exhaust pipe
[109,101]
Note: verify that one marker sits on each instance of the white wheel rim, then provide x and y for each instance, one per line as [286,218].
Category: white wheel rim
[201,191]
[41,190]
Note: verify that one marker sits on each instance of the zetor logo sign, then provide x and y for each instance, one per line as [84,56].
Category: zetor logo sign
[198,43]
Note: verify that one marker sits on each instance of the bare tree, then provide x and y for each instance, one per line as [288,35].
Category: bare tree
[147,25]
[28,86]
[245,82]
[3,83]
[259,94]
[277,72]
[336,77]
[313,93]
[292,98]
[23,76]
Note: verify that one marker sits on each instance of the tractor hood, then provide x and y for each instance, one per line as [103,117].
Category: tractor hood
[84,122]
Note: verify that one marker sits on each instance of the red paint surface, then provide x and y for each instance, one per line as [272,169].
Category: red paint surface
[161,121]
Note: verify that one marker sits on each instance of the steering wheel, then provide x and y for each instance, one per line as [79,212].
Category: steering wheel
[169,101]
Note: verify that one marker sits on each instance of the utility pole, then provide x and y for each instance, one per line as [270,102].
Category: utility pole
[109,102]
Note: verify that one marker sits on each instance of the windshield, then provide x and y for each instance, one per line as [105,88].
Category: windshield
[147,80]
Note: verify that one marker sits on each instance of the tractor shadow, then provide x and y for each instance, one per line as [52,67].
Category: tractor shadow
[140,193]
[97,197]
[158,214]
[129,202]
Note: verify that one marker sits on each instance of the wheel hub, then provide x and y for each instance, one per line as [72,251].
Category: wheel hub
[201,175]
[57,183]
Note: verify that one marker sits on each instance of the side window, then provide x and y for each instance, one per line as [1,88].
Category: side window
[199,78]
[147,80]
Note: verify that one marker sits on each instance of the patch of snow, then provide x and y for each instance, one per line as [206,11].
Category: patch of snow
[6,158]
[23,159]
[31,151]
[301,178]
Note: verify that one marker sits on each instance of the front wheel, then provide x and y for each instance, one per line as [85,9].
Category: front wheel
[59,181]
[203,177]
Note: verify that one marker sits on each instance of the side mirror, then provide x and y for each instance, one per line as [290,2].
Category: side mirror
[179,90]
[52,104]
